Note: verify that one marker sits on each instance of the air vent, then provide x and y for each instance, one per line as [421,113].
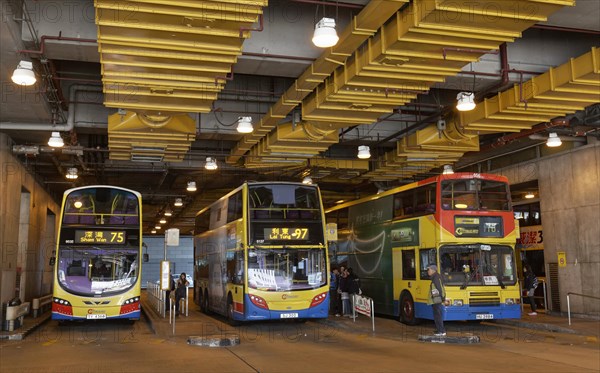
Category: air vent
[146,158]
[554,288]
[157,149]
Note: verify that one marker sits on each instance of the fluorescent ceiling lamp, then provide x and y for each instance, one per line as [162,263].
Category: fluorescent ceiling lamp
[461,206]
[447,170]
[465,101]
[153,231]
[162,221]
[364,152]
[71,173]
[55,140]
[23,74]
[191,186]
[178,202]
[211,163]
[553,140]
[307,180]
[168,212]
[529,195]
[245,125]
[157,227]
[325,35]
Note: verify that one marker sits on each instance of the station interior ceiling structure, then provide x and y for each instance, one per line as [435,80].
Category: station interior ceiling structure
[144,91]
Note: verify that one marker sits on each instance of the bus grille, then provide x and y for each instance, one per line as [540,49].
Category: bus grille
[483,293]
[483,302]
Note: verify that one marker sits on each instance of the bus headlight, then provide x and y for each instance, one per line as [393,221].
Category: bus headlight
[457,302]
[510,301]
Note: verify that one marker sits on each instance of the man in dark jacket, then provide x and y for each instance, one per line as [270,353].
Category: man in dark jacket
[437,285]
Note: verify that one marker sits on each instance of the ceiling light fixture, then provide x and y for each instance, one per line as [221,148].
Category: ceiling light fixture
[72,173]
[529,195]
[178,202]
[325,35]
[191,186]
[162,221]
[465,101]
[168,212]
[157,227]
[55,140]
[447,170]
[364,152]
[245,125]
[553,140]
[307,180]
[23,74]
[211,163]
[153,231]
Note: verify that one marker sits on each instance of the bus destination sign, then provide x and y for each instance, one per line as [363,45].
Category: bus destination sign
[280,233]
[99,237]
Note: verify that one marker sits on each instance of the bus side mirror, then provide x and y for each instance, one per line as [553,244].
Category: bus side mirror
[52,260]
[146,258]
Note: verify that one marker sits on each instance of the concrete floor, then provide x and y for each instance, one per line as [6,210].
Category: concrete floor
[333,346]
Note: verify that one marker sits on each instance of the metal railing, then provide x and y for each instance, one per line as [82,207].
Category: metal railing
[157,297]
[543,282]
[569,302]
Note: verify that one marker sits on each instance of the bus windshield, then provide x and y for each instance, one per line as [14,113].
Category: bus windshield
[93,206]
[475,194]
[469,265]
[90,271]
[285,214]
[286,269]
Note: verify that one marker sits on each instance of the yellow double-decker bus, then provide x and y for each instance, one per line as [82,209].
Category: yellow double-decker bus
[260,253]
[462,222]
[97,270]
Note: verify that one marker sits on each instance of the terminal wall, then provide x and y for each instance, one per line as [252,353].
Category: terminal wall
[181,257]
[569,190]
[28,226]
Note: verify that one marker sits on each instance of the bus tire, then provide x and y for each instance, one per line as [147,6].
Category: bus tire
[407,309]
[230,312]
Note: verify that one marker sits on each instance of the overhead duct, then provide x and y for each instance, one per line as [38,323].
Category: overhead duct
[560,91]
[420,46]
[143,138]
[163,59]
[361,27]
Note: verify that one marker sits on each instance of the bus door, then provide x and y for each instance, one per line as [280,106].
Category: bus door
[422,309]
[405,266]
[235,283]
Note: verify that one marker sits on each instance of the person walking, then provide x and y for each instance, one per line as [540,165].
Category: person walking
[437,295]
[531,283]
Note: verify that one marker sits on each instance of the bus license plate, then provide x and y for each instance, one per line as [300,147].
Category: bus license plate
[484,316]
[95,316]
[293,315]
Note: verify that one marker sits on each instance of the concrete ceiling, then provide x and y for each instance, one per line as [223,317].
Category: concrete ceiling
[270,62]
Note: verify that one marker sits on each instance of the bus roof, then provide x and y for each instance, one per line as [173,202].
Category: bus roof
[433,179]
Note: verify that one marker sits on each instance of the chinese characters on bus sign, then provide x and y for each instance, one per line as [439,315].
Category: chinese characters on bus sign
[288,233]
[99,237]
[482,226]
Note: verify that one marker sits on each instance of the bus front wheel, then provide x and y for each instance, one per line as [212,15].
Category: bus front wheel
[230,312]
[407,310]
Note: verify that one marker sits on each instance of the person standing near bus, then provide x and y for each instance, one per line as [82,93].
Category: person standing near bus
[333,292]
[437,296]
[180,290]
[531,283]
